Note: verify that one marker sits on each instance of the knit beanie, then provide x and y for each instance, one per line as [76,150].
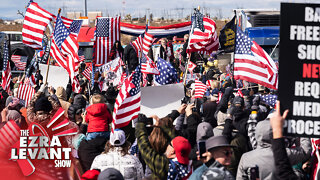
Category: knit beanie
[43,104]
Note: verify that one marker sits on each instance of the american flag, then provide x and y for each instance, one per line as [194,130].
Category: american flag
[137,44]
[35,22]
[82,58]
[147,42]
[87,72]
[75,26]
[25,92]
[209,83]
[122,79]
[6,72]
[168,74]
[107,32]
[143,43]
[148,66]
[64,50]
[203,41]
[19,61]
[199,89]
[191,66]
[270,99]
[239,93]
[253,64]
[30,80]
[128,101]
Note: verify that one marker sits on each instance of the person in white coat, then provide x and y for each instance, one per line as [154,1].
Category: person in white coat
[116,156]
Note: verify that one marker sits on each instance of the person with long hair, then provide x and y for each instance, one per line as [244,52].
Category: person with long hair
[116,155]
[116,51]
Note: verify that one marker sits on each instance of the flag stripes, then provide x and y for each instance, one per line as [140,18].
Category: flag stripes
[199,89]
[25,92]
[35,22]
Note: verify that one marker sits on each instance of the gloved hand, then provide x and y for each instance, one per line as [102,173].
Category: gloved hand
[231,110]
[42,88]
[142,118]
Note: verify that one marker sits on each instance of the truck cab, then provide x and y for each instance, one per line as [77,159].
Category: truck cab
[262,26]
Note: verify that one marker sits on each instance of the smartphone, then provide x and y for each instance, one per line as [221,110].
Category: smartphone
[254,173]
[149,123]
[202,147]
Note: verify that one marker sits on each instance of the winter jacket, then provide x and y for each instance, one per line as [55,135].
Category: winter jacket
[72,112]
[98,118]
[211,170]
[80,100]
[129,165]
[283,166]
[263,156]
[130,57]
[88,150]
[158,163]
[31,114]
[209,108]
[62,97]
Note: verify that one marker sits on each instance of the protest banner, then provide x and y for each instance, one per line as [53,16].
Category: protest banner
[57,75]
[299,88]
[161,100]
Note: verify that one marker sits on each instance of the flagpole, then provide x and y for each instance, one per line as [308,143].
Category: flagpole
[49,43]
[274,48]
[234,49]
[189,54]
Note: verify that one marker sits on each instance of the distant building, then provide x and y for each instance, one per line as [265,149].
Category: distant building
[73,15]
[93,15]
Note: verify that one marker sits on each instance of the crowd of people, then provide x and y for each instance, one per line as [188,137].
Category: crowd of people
[220,136]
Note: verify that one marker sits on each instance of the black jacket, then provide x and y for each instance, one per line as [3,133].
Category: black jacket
[130,57]
[88,150]
[283,167]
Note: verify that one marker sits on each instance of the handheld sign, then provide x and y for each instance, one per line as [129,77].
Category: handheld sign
[299,68]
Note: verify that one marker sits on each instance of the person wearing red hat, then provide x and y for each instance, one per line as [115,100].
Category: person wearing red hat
[175,156]
[178,153]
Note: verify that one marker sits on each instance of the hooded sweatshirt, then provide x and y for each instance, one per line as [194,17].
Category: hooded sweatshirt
[98,118]
[263,155]
[62,96]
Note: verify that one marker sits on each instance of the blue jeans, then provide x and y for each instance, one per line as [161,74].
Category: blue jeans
[92,135]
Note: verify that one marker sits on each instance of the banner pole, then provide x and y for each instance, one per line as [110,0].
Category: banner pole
[274,48]
[51,31]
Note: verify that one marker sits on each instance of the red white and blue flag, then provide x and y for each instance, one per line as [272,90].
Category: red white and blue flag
[128,101]
[253,64]
[191,66]
[19,61]
[203,36]
[148,66]
[87,72]
[35,22]
[64,50]
[143,43]
[107,32]
[6,71]
[25,92]
[199,89]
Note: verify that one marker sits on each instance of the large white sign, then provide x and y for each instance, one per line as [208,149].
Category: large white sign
[161,100]
[57,76]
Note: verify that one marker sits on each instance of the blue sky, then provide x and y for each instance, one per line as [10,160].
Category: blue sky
[138,8]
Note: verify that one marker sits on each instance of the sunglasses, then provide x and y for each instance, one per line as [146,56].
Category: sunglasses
[227,153]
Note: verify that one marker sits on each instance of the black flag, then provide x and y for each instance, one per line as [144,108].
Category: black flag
[227,36]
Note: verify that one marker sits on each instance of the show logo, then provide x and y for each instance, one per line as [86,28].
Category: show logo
[40,143]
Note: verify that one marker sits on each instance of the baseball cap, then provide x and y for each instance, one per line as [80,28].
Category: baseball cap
[117,138]
[182,149]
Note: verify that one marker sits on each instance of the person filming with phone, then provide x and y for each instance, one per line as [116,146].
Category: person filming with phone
[215,160]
